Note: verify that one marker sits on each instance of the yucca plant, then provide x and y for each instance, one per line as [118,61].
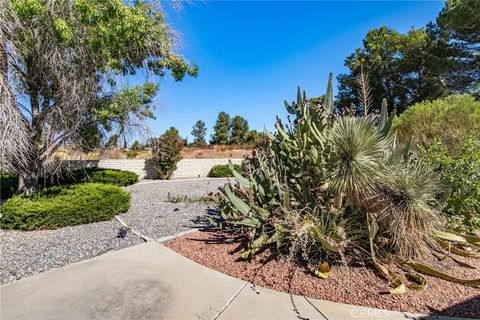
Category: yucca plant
[329,186]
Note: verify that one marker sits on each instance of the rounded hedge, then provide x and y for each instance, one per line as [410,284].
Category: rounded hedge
[62,206]
[449,120]
[223,171]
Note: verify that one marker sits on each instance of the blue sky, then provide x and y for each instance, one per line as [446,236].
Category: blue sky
[252,55]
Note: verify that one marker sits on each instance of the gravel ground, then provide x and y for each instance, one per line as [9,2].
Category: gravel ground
[25,253]
[152,215]
[355,285]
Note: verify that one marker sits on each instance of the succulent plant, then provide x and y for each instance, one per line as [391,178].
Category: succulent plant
[327,183]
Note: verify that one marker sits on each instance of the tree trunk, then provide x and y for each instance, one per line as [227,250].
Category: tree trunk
[29,173]
[28,181]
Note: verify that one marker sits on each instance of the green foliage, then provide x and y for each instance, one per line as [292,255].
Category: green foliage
[166,153]
[450,120]
[97,175]
[26,9]
[136,145]
[58,207]
[461,171]
[9,181]
[392,61]
[255,138]
[239,130]
[8,185]
[456,42]
[65,58]
[326,184]
[111,176]
[198,132]
[422,64]
[221,134]
[132,154]
[172,131]
[222,171]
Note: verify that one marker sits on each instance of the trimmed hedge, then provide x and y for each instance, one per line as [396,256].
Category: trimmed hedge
[223,171]
[62,206]
[112,176]
[98,175]
[8,185]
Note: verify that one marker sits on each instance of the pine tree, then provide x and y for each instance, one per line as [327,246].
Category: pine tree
[198,132]
[239,130]
[221,129]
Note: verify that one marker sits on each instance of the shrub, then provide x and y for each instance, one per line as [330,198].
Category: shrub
[451,120]
[111,176]
[8,185]
[333,188]
[166,154]
[99,175]
[222,171]
[132,154]
[61,206]
[461,171]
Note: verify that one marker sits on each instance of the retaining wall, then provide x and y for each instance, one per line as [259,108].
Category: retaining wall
[186,168]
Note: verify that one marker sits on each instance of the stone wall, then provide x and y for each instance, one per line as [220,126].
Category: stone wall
[186,168]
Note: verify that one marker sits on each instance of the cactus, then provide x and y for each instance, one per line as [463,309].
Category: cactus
[307,191]
[329,95]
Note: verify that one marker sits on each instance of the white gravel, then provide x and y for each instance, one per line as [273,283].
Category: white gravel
[25,253]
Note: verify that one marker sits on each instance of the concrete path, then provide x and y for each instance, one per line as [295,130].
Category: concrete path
[150,281]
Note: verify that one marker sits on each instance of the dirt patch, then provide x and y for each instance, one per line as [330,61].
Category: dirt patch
[357,285]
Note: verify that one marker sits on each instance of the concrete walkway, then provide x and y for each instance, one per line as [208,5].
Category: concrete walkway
[149,281]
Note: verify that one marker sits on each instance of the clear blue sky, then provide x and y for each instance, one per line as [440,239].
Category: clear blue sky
[252,55]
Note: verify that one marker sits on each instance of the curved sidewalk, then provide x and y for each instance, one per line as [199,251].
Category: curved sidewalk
[149,281]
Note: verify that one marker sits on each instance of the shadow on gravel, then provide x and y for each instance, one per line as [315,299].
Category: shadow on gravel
[469,308]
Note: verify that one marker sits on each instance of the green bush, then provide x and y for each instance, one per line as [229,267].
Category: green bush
[451,120]
[98,175]
[112,176]
[222,171]
[62,206]
[9,181]
[461,171]
[8,185]
[166,153]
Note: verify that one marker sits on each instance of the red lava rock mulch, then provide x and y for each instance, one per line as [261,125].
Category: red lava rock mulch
[355,285]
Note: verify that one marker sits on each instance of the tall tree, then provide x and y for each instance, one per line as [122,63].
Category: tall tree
[456,38]
[172,131]
[396,67]
[221,134]
[423,64]
[199,130]
[239,130]
[60,60]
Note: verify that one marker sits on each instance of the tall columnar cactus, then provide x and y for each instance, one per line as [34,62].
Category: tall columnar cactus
[329,95]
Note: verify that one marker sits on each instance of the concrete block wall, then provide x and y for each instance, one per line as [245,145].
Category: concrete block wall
[186,168]
[134,165]
[197,168]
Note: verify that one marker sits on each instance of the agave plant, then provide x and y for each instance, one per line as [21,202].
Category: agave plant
[330,186]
